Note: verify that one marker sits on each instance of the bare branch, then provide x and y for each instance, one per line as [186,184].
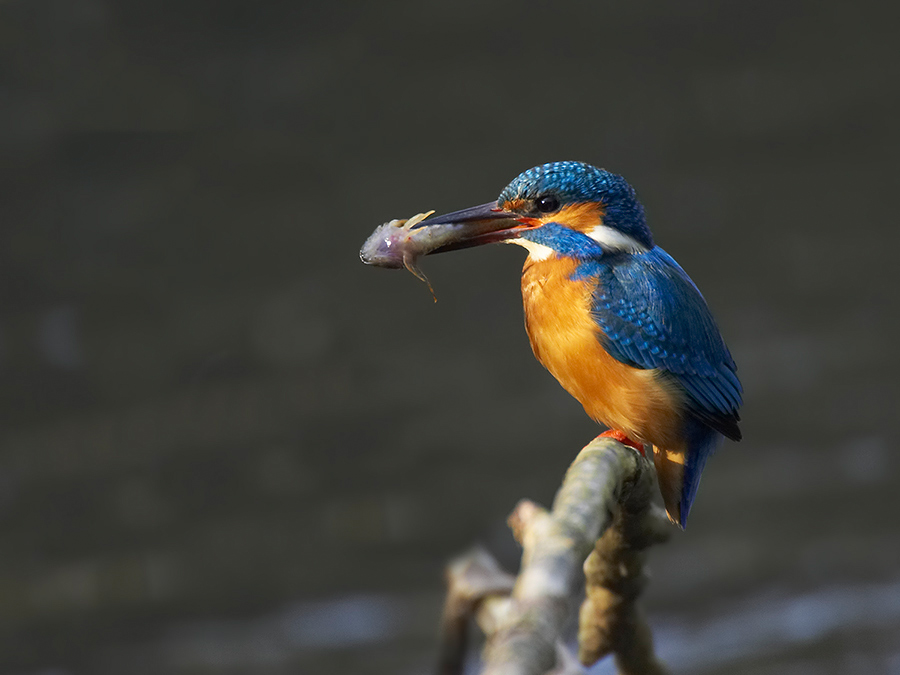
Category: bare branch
[471,579]
[607,489]
[610,618]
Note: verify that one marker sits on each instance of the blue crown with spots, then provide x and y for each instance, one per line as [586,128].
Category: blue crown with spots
[577,182]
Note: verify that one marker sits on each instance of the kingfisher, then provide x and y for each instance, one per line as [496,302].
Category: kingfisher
[614,318]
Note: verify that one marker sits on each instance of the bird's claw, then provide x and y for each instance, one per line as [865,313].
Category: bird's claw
[619,435]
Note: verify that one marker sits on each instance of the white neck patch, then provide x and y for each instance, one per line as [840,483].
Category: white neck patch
[614,240]
[536,252]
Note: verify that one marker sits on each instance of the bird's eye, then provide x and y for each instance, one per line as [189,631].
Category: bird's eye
[547,203]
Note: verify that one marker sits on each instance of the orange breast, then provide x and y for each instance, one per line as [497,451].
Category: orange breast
[564,339]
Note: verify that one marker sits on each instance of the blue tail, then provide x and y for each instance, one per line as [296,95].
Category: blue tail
[701,443]
[678,482]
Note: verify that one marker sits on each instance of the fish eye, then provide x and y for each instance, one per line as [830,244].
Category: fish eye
[547,203]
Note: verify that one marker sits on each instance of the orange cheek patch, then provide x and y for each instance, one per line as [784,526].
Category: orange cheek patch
[582,217]
[513,205]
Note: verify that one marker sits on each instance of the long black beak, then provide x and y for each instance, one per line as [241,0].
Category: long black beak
[484,224]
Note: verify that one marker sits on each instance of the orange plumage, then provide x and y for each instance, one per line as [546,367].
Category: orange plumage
[565,339]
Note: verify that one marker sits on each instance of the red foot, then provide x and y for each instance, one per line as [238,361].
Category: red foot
[620,436]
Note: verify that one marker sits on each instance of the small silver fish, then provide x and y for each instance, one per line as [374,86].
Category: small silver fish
[400,243]
[396,244]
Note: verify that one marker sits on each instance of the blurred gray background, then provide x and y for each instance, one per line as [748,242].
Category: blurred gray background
[229,447]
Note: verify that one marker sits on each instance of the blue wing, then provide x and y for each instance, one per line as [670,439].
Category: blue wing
[653,316]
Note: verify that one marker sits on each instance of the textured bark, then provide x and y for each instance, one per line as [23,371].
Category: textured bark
[602,521]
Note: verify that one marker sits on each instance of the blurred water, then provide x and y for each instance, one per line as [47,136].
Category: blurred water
[227,446]
[767,626]
[746,630]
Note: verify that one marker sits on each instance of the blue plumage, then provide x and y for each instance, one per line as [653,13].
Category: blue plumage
[702,441]
[566,242]
[577,182]
[652,316]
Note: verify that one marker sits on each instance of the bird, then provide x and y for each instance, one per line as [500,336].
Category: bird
[614,318]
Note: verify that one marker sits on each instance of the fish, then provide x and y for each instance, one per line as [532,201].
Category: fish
[398,243]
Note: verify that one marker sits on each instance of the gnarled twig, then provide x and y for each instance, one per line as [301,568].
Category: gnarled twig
[604,505]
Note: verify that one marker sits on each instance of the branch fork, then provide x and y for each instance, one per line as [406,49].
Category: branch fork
[602,521]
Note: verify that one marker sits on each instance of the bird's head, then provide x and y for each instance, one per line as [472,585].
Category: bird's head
[570,208]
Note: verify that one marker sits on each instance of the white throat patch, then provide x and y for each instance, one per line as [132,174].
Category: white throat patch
[536,252]
[614,240]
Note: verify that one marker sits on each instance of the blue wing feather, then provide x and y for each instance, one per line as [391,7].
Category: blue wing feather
[653,316]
